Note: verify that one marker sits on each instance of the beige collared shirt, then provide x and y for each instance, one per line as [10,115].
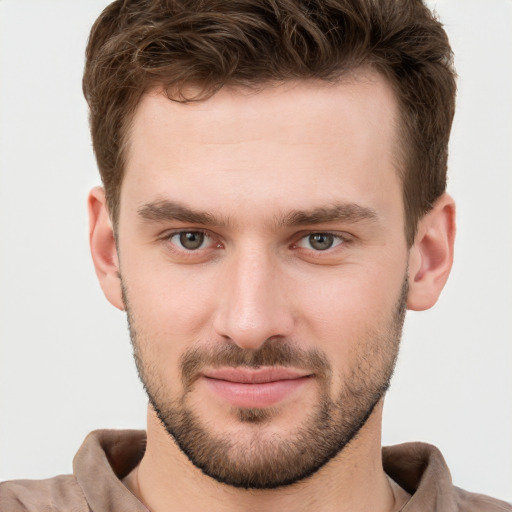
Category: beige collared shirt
[107,456]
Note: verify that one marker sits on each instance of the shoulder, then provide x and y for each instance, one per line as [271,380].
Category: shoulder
[472,502]
[421,470]
[59,494]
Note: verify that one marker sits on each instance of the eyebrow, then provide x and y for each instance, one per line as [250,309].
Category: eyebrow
[165,210]
[343,212]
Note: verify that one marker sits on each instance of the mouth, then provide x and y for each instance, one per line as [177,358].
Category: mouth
[255,388]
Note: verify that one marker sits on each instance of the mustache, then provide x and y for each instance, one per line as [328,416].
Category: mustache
[274,352]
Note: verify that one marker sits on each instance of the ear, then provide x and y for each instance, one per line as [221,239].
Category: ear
[431,256]
[103,247]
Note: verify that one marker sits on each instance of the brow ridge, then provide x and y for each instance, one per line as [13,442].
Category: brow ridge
[166,210]
[342,212]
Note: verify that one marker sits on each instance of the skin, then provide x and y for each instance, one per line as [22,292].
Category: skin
[251,160]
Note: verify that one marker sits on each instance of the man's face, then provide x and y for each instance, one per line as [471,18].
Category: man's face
[263,260]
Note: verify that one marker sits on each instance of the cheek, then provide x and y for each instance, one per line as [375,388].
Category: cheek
[348,308]
[169,311]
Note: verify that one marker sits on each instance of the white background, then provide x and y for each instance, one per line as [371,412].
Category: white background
[65,357]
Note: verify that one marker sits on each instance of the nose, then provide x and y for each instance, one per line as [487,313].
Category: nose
[252,300]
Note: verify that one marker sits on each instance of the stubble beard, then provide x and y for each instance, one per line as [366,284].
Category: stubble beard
[262,460]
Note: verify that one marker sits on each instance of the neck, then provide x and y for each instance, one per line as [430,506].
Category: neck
[353,481]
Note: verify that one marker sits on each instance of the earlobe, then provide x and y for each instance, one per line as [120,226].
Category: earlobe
[103,247]
[431,256]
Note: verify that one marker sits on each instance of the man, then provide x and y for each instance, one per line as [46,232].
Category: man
[274,200]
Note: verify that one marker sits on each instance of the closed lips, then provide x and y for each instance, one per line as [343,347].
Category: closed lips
[255,376]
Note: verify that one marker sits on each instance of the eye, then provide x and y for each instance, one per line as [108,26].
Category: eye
[191,240]
[320,241]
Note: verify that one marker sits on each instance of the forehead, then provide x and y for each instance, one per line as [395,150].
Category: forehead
[284,143]
[365,96]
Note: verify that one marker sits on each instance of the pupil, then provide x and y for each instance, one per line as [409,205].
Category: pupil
[191,239]
[321,241]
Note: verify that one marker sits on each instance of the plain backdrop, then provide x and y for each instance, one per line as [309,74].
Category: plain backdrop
[65,356]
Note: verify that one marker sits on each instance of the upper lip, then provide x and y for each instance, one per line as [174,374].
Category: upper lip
[255,375]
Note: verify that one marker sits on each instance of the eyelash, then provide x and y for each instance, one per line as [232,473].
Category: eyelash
[340,239]
[169,236]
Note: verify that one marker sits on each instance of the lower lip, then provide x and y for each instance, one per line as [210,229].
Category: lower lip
[260,395]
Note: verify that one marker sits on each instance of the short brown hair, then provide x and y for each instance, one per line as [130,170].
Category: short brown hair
[137,44]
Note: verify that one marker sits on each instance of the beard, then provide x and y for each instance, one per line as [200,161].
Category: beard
[265,459]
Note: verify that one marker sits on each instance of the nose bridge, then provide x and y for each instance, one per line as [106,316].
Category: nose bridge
[252,306]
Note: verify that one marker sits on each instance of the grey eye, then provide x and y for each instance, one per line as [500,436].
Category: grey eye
[189,240]
[321,241]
